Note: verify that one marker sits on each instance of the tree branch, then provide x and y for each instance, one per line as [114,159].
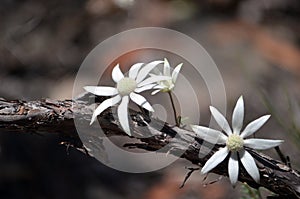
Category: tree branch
[54,116]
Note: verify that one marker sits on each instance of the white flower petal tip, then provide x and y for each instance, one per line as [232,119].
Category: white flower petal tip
[123,115]
[176,72]
[166,62]
[250,165]
[87,88]
[262,144]
[133,71]
[253,126]
[93,120]
[238,116]
[101,90]
[214,160]
[155,92]
[166,67]
[233,168]
[220,119]
[117,74]
[90,89]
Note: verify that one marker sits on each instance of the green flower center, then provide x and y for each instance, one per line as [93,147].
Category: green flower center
[168,84]
[234,142]
[126,85]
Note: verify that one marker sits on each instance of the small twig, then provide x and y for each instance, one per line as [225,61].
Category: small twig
[188,175]
[288,161]
[281,156]
[213,181]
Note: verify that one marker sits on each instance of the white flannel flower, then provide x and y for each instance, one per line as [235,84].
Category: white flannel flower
[167,85]
[235,142]
[127,88]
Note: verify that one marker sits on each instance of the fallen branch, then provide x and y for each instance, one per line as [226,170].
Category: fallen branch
[53,116]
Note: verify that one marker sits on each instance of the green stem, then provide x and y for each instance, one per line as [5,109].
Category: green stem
[174,109]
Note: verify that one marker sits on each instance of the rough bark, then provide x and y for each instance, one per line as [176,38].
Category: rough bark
[54,116]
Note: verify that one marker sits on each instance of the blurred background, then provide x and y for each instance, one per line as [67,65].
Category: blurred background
[255,44]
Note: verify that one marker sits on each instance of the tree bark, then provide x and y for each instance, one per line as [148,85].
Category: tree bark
[54,116]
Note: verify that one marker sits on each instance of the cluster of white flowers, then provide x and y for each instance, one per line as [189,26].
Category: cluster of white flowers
[138,80]
[141,79]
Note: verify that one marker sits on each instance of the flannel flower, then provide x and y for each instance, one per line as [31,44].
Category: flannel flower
[235,142]
[167,85]
[127,88]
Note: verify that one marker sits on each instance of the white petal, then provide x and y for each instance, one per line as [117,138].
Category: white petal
[153,79]
[166,67]
[144,88]
[101,90]
[155,92]
[214,160]
[146,69]
[140,100]
[117,74]
[254,126]
[261,144]
[233,168]
[250,165]
[209,135]
[176,72]
[158,86]
[220,119]
[238,116]
[133,71]
[123,115]
[104,105]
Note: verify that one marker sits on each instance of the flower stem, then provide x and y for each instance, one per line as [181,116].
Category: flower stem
[174,109]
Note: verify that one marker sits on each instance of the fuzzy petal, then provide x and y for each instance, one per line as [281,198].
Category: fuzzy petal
[141,101]
[261,144]
[123,115]
[117,74]
[209,135]
[254,126]
[133,71]
[153,79]
[250,165]
[176,72]
[166,67]
[144,88]
[104,105]
[101,90]
[214,160]
[220,119]
[238,116]
[146,69]
[233,168]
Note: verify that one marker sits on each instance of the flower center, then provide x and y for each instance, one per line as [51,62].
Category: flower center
[126,85]
[234,142]
[168,84]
